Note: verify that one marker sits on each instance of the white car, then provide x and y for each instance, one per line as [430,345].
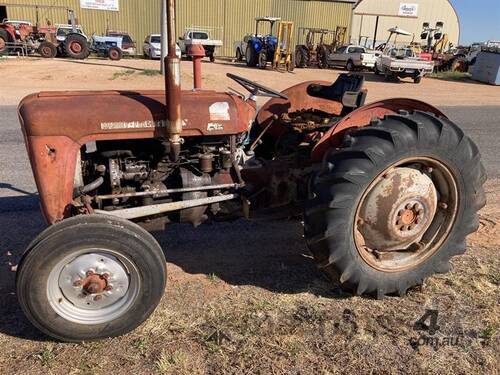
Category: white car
[152,47]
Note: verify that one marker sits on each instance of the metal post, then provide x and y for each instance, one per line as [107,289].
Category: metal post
[375,33]
[173,86]
[163,38]
[360,29]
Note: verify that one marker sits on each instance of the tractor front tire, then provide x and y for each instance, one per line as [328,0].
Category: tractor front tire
[395,203]
[251,56]
[76,47]
[262,59]
[96,277]
[47,50]
[301,57]
[115,54]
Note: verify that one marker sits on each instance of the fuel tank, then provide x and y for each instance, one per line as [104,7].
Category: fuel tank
[81,115]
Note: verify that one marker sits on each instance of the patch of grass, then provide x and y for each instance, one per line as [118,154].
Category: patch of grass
[175,363]
[213,277]
[141,345]
[451,76]
[46,356]
[150,72]
[495,278]
[122,74]
[488,332]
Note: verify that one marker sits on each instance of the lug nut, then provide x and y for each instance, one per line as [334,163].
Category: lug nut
[77,283]
[429,169]
[443,205]
[105,276]
[408,206]
[89,273]
[97,298]
[108,288]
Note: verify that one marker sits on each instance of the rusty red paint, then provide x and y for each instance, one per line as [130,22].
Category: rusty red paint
[196,52]
[53,142]
[362,117]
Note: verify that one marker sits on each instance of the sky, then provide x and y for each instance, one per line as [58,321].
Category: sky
[479,20]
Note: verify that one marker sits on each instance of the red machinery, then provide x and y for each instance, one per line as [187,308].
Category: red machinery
[388,191]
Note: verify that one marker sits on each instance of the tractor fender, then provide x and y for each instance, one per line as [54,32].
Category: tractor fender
[362,117]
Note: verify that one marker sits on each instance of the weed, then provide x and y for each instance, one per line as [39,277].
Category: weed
[46,356]
[141,345]
[213,277]
[488,332]
[122,74]
[150,72]
[495,278]
[177,363]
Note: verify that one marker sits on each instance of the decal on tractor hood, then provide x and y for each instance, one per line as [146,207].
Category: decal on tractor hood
[136,124]
[219,111]
[214,126]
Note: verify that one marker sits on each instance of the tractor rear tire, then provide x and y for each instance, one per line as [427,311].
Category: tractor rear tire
[47,50]
[76,47]
[251,56]
[419,144]
[129,255]
[322,56]
[4,39]
[115,54]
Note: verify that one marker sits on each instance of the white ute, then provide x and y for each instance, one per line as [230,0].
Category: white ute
[353,57]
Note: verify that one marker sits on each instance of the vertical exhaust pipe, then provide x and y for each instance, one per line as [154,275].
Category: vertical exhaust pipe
[173,85]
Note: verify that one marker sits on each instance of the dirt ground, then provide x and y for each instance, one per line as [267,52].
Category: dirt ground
[267,309]
[20,77]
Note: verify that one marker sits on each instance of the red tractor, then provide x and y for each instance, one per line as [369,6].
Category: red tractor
[388,191]
[13,35]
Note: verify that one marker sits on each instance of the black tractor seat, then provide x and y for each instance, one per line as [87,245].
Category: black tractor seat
[347,89]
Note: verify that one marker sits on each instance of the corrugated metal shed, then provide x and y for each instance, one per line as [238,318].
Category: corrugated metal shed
[230,18]
[427,11]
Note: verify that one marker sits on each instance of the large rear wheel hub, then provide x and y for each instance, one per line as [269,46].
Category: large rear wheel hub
[405,214]
[398,209]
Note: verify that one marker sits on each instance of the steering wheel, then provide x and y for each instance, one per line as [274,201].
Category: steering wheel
[255,89]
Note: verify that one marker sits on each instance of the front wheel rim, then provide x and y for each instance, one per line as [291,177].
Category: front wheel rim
[93,286]
[422,230]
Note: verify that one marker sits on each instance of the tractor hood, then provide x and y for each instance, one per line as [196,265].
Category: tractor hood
[82,115]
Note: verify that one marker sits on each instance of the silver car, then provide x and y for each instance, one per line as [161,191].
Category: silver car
[152,47]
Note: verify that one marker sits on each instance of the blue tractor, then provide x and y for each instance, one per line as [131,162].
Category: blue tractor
[260,48]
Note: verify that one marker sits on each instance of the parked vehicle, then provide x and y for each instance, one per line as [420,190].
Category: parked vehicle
[387,191]
[14,33]
[48,40]
[199,35]
[257,49]
[108,46]
[352,57]
[401,62]
[151,48]
[128,44]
